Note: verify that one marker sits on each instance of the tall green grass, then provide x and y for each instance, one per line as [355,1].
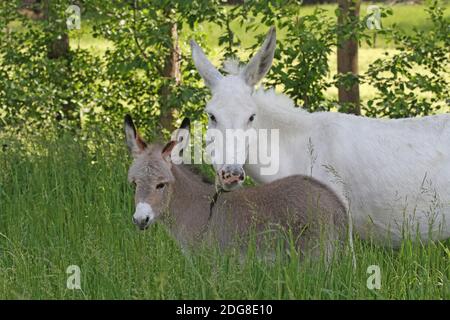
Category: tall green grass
[65,201]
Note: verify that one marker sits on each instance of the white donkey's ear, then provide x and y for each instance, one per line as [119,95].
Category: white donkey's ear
[135,143]
[261,62]
[210,74]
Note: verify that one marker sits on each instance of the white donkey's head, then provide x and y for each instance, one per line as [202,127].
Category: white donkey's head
[232,109]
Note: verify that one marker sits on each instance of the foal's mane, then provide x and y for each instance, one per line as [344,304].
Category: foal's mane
[200,171]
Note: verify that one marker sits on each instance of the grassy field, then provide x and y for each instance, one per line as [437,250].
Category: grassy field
[63,203]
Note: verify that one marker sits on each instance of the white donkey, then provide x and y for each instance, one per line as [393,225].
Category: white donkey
[393,175]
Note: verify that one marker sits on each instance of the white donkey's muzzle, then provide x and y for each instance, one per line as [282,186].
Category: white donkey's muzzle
[143,215]
[231,176]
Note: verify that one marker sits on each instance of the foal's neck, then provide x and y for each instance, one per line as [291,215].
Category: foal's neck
[189,204]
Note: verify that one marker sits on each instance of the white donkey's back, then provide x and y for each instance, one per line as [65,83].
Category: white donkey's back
[395,174]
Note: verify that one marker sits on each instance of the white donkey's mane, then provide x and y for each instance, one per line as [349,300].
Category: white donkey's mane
[233,67]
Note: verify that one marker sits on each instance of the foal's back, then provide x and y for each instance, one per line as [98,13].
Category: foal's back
[312,212]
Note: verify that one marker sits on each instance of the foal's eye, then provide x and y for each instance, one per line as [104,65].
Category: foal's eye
[160,186]
[212,117]
[252,117]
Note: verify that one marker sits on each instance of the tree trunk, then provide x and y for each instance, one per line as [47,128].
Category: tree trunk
[347,55]
[59,47]
[171,73]
[34,9]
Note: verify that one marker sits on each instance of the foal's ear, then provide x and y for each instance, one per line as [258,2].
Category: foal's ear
[261,62]
[135,143]
[167,150]
[208,72]
[185,124]
[179,140]
[182,134]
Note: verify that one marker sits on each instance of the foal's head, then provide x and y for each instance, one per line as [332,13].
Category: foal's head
[232,106]
[150,173]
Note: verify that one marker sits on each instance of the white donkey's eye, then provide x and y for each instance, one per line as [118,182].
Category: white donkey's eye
[252,117]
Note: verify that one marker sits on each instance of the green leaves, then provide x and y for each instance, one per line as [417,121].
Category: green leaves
[420,66]
[128,73]
[302,57]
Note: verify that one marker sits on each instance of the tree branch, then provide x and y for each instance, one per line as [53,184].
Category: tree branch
[136,40]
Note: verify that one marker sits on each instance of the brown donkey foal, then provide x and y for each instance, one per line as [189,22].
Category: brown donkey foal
[192,210]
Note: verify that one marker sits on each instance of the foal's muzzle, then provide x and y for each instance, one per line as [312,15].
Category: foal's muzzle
[143,216]
[142,224]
